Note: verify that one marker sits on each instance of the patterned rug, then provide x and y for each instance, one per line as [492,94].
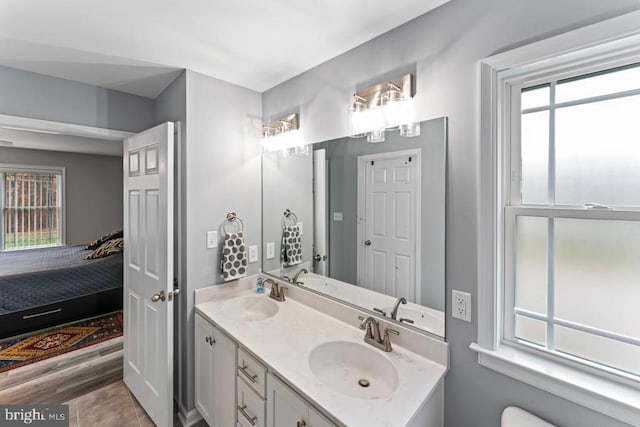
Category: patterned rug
[26,349]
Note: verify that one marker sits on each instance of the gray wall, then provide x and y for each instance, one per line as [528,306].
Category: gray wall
[342,156]
[287,183]
[27,94]
[93,189]
[222,175]
[444,47]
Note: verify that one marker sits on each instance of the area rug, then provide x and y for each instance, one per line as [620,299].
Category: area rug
[40,345]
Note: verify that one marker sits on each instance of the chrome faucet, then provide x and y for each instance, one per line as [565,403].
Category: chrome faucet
[372,335]
[394,312]
[277,291]
[295,278]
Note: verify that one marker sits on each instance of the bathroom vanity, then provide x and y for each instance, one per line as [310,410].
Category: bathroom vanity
[303,362]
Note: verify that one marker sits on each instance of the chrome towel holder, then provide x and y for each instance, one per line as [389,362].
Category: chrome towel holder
[289,215]
[231,218]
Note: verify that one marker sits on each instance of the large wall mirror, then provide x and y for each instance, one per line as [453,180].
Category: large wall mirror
[363,223]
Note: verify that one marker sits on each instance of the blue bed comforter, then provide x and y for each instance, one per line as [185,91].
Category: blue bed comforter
[45,276]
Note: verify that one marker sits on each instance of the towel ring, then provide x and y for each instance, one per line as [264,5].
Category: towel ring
[289,215]
[231,218]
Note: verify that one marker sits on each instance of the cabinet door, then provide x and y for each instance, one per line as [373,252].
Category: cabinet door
[316,419]
[204,370]
[284,407]
[224,355]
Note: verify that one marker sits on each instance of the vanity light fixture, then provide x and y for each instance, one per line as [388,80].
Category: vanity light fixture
[284,134]
[384,107]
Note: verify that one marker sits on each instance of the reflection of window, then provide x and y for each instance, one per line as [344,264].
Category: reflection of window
[31,202]
[572,220]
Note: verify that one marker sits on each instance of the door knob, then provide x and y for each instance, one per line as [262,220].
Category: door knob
[161,296]
[367,242]
[174,293]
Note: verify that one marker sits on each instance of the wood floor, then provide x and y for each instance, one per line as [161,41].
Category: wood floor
[64,377]
[88,380]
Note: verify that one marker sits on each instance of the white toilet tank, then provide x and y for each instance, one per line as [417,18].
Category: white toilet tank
[516,417]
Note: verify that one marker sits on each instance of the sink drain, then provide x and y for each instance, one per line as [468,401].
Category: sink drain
[364,382]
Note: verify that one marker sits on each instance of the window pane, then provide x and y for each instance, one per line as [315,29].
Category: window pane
[534,97]
[535,157]
[598,153]
[32,210]
[531,263]
[598,84]
[531,330]
[597,274]
[608,352]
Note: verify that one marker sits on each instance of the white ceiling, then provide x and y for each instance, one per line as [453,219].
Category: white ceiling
[139,46]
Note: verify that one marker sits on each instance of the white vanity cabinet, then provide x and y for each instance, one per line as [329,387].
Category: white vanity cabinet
[215,374]
[286,408]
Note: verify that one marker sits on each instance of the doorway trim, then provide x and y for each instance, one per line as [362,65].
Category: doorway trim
[362,179]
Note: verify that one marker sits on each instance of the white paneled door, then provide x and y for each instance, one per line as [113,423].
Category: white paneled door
[148,270]
[388,229]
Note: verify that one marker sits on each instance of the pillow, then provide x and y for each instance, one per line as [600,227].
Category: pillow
[111,247]
[100,240]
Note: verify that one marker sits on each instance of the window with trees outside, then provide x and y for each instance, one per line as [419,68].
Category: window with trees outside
[31,202]
[572,217]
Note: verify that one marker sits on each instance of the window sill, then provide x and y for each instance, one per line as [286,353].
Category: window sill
[616,400]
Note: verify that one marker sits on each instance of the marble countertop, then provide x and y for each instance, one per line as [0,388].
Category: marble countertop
[283,342]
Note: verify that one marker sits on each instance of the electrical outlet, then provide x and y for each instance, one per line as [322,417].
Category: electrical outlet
[461,305]
[212,239]
[253,253]
[271,249]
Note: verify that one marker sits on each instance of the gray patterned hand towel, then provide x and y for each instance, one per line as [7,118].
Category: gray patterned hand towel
[291,248]
[233,262]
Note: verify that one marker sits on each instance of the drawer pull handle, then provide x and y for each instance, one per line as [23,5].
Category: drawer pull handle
[246,373]
[252,420]
[302,423]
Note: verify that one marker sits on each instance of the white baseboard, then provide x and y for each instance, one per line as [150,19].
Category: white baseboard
[188,418]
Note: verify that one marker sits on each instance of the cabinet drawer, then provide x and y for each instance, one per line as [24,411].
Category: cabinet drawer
[251,407]
[252,371]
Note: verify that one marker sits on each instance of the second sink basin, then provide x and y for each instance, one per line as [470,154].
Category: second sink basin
[250,308]
[354,370]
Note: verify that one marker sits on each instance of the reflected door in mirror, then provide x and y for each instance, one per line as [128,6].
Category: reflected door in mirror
[388,223]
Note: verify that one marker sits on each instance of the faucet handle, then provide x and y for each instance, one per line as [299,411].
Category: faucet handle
[386,341]
[379,310]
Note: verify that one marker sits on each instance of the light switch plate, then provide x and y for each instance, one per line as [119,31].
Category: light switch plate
[271,250]
[212,239]
[337,216]
[461,305]
[253,253]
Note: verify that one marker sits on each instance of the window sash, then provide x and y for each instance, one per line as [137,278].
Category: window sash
[26,210]
[512,207]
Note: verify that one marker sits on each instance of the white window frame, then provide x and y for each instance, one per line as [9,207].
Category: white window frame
[33,169]
[602,45]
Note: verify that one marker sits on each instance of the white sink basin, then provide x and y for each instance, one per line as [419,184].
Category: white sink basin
[354,369]
[250,308]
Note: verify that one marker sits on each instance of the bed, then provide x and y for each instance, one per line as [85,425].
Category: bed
[46,287]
